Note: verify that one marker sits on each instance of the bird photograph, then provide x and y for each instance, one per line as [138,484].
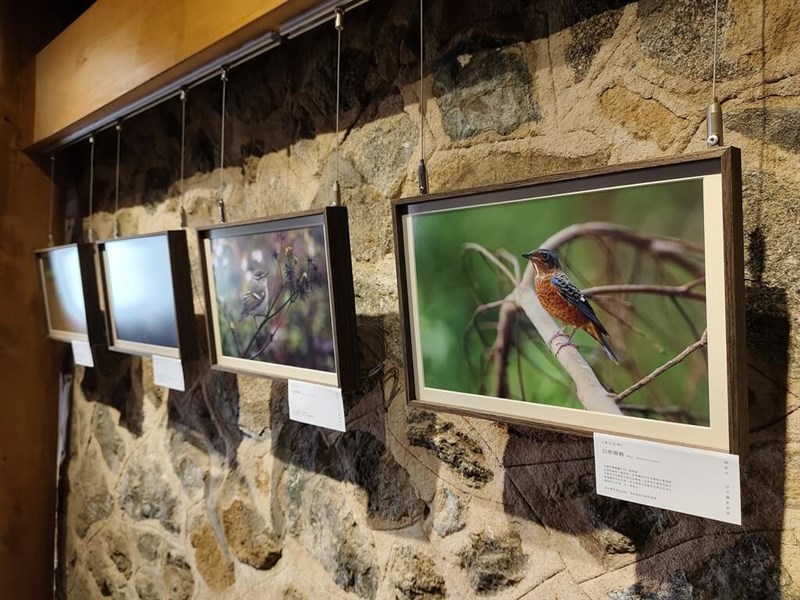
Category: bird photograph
[513,297]
[272,297]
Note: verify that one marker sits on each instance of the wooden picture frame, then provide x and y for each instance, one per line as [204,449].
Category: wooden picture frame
[79,282]
[303,262]
[147,291]
[651,245]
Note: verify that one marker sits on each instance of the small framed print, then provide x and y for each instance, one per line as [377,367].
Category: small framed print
[69,287]
[147,288]
[279,297]
[607,301]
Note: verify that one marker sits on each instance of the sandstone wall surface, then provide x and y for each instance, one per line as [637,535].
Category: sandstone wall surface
[214,493]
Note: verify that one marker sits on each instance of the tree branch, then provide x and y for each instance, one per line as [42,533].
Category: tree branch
[672,249]
[591,393]
[640,288]
[665,367]
[502,347]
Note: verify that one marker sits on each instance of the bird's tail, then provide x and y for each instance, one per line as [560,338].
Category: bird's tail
[602,339]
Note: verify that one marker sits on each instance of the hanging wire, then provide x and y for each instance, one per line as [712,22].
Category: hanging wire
[339,25]
[714,110]
[91,187]
[116,186]
[714,53]
[183,96]
[52,197]
[221,201]
[422,172]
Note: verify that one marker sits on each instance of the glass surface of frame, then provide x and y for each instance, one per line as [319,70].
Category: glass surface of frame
[147,289]
[610,329]
[69,288]
[270,288]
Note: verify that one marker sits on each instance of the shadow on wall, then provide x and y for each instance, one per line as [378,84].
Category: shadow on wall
[207,413]
[359,456]
[288,94]
[116,381]
[717,560]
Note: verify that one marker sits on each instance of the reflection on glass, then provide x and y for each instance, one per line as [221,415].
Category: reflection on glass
[61,271]
[140,290]
[272,298]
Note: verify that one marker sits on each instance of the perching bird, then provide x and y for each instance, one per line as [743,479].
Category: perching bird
[257,295]
[564,301]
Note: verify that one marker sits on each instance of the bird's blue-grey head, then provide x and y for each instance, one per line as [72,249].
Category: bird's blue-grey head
[543,259]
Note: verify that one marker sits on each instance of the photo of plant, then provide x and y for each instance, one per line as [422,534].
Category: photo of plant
[589,301]
[272,297]
[63,288]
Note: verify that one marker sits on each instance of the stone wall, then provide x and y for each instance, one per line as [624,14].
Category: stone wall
[213,493]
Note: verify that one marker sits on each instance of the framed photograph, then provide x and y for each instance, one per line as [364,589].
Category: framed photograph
[279,297]
[608,300]
[147,288]
[69,287]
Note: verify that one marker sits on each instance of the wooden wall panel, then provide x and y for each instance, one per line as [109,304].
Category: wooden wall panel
[28,360]
[121,50]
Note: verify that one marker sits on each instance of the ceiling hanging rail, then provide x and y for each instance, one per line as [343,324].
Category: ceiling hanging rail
[294,27]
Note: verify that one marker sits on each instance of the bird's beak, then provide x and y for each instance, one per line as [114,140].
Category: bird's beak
[529,255]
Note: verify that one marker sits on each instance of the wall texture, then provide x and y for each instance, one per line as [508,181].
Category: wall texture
[215,494]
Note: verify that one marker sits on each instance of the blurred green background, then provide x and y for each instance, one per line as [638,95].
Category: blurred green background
[646,330]
[299,305]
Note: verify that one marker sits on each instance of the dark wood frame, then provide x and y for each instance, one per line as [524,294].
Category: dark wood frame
[340,283]
[181,290]
[726,161]
[91,300]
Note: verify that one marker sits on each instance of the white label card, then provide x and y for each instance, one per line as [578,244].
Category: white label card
[168,372]
[82,353]
[696,482]
[318,405]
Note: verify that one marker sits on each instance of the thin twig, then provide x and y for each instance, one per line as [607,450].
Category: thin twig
[642,288]
[493,259]
[665,367]
[501,348]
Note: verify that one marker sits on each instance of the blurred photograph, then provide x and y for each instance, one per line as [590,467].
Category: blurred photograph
[63,290]
[271,297]
[140,294]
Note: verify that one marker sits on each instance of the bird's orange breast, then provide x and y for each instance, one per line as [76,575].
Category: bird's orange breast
[556,305]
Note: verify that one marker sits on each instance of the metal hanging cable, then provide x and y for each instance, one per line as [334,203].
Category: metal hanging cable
[91,187]
[339,25]
[714,109]
[221,200]
[52,197]
[422,172]
[116,185]
[183,97]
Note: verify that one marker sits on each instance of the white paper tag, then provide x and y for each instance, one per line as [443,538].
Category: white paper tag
[318,405]
[696,482]
[168,372]
[82,353]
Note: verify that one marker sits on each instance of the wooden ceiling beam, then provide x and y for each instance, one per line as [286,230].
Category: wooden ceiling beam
[121,52]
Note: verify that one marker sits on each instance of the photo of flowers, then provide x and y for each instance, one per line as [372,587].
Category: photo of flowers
[269,293]
[69,287]
[580,304]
